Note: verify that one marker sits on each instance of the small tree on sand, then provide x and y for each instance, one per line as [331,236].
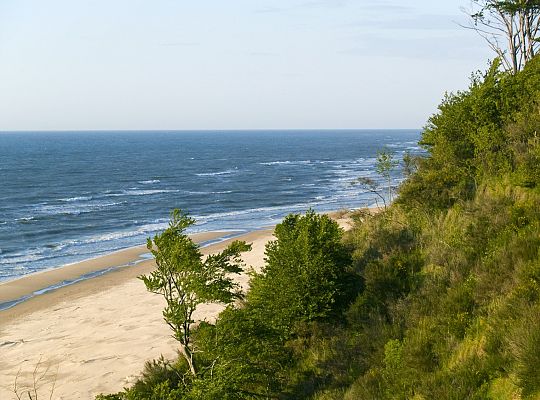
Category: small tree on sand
[185,280]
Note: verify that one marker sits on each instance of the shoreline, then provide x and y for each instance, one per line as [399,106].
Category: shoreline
[20,290]
[59,282]
[23,288]
[98,333]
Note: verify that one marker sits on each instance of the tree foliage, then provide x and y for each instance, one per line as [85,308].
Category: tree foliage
[305,277]
[186,280]
[487,131]
[437,296]
[384,166]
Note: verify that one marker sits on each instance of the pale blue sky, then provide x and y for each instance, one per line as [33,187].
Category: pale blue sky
[230,64]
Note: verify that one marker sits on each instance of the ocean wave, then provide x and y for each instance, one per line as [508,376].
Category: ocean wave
[149,182]
[157,226]
[299,162]
[14,260]
[226,172]
[53,250]
[322,200]
[24,220]
[259,210]
[72,209]
[413,148]
[345,171]
[140,192]
[308,162]
[208,192]
[78,198]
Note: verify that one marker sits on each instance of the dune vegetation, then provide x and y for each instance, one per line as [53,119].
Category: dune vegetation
[437,296]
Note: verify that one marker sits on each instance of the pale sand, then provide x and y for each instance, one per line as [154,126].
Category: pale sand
[95,335]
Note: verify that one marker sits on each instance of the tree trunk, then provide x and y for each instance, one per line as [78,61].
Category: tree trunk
[389,189]
[188,356]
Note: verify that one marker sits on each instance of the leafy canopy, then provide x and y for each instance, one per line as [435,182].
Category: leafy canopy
[306,273]
[186,280]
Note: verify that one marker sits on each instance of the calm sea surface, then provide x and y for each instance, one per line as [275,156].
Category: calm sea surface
[69,196]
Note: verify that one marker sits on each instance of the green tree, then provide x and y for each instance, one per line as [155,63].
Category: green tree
[384,166]
[306,276]
[185,280]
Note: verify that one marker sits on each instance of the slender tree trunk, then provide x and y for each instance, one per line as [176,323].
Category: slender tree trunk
[389,189]
[512,45]
[530,35]
[188,356]
[523,36]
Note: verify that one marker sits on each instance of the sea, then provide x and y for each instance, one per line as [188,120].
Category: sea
[70,196]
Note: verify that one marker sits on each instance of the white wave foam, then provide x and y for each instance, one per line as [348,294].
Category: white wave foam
[24,219]
[149,182]
[106,237]
[291,207]
[338,163]
[299,162]
[205,193]
[140,192]
[19,258]
[73,209]
[226,172]
[148,192]
[78,198]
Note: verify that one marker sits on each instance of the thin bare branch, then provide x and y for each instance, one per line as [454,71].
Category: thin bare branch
[516,21]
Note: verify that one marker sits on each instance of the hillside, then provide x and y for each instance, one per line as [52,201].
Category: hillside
[436,297]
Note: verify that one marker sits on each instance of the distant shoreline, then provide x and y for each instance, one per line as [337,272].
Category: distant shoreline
[21,289]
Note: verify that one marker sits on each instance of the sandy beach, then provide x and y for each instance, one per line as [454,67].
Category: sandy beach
[94,336]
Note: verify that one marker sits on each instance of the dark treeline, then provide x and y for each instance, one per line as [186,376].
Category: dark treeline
[437,296]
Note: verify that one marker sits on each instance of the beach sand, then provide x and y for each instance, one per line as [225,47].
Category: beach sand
[94,336]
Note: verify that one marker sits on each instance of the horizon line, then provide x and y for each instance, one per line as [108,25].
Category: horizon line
[206,130]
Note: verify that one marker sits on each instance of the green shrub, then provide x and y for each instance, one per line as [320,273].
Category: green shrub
[307,273]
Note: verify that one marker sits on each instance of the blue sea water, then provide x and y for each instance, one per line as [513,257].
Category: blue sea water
[69,196]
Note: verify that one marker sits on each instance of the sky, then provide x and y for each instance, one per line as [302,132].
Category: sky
[231,64]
